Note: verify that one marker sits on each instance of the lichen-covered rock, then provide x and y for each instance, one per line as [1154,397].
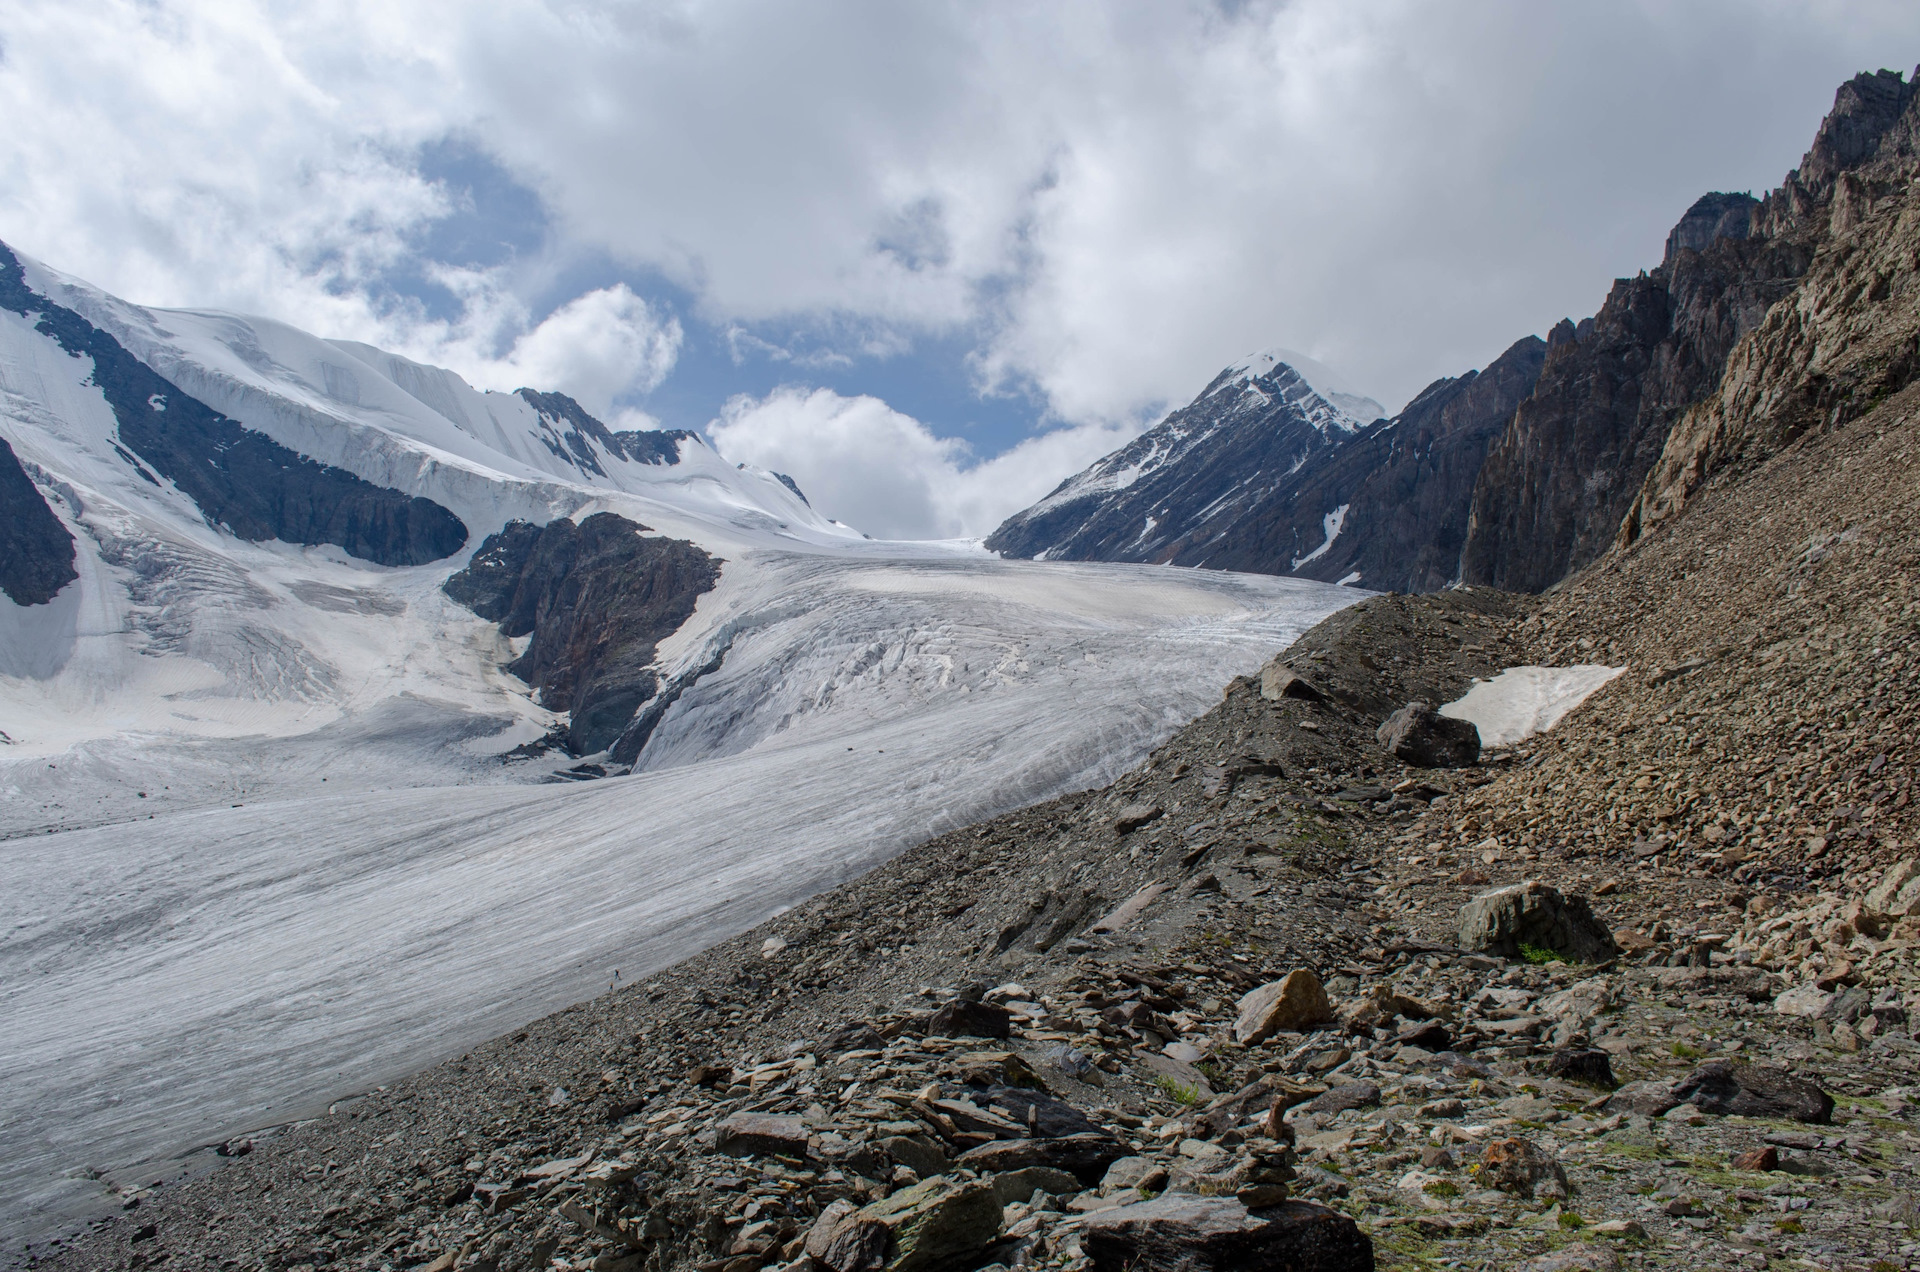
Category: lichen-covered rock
[1534,914]
[930,1226]
[1176,1233]
[1518,1165]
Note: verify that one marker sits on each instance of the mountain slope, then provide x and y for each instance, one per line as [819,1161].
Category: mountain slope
[293,800]
[1167,496]
[1571,468]
[1263,473]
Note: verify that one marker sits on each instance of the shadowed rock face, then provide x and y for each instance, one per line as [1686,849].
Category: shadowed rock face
[1262,486]
[36,552]
[597,598]
[1627,419]
[570,432]
[242,480]
[1196,488]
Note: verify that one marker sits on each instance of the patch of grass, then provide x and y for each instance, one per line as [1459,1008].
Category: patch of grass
[1572,1222]
[1442,1188]
[1538,954]
[1789,1225]
[1185,1093]
[1883,1265]
[1684,1052]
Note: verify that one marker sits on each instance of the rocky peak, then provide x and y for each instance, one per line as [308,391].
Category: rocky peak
[1864,110]
[1711,218]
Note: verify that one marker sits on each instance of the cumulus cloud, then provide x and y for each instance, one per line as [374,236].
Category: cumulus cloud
[885,473]
[1104,202]
[601,345]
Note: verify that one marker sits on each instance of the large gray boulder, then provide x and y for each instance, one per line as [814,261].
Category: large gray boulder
[926,1228]
[1416,734]
[1180,1233]
[1535,914]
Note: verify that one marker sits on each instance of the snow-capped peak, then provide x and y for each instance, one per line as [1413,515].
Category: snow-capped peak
[1357,408]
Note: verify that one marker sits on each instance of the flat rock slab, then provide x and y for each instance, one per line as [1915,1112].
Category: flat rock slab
[752,1134]
[1085,1157]
[1180,1233]
[1724,1087]
[1297,1003]
[963,1019]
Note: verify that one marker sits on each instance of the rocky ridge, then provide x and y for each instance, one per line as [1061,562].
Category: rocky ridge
[596,598]
[36,550]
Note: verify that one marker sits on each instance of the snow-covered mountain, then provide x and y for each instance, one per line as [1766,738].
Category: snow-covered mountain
[276,820]
[1256,422]
[1279,468]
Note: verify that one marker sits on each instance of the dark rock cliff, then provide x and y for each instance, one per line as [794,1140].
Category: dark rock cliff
[597,598]
[1570,469]
[1248,479]
[1848,337]
[1189,490]
[36,551]
[570,433]
[240,479]
[1405,484]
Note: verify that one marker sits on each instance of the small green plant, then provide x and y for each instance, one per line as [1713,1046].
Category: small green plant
[1442,1188]
[1789,1225]
[1685,1052]
[1538,954]
[1179,1092]
[1572,1222]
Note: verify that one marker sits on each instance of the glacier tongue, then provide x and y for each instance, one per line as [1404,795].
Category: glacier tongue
[262,849]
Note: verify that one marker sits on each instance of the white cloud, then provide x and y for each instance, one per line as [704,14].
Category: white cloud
[864,463]
[600,346]
[1109,201]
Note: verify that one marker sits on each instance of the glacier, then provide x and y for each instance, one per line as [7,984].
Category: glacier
[261,846]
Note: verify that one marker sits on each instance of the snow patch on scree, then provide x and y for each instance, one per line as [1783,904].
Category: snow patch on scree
[1523,701]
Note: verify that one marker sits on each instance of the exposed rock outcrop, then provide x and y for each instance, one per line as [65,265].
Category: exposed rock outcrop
[242,480]
[597,598]
[36,551]
[1766,318]
[569,429]
[1238,481]
[1191,490]
[1849,336]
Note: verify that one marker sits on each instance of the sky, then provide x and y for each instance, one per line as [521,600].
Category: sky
[928,258]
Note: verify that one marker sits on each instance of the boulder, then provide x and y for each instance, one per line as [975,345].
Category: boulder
[1588,1065]
[855,1035]
[1520,1166]
[930,1226]
[1725,1087]
[1428,1035]
[918,1153]
[1534,914]
[1085,1157]
[1353,1095]
[964,1019]
[1018,1185]
[1278,681]
[1176,1233]
[753,1134]
[1648,1099]
[1134,816]
[1898,892]
[1416,734]
[1804,1000]
[1294,1004]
